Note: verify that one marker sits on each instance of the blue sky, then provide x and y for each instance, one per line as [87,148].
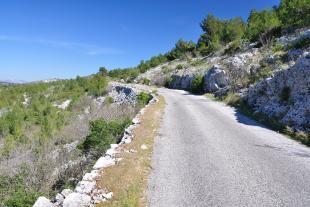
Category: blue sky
[41,39]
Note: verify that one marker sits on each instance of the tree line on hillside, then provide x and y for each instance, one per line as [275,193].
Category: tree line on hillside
[261,26]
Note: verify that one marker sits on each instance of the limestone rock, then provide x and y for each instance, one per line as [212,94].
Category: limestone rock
[215,79]
[103,162]
[144,147]
[77,200]
[43,202]
[286,96]
[85,187]
[66,192]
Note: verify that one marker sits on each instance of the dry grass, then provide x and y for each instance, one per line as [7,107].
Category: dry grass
[128,179]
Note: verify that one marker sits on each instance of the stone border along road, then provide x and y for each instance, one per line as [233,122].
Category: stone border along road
[86,194]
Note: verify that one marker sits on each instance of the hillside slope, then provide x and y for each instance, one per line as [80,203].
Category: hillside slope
[272,80]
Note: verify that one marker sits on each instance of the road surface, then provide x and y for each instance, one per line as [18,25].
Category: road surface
[207,154]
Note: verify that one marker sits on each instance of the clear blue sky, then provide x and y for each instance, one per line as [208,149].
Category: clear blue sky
[63,38]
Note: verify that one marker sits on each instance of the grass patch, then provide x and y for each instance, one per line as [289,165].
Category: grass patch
[128,179]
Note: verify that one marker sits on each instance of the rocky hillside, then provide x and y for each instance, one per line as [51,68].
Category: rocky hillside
[46,138]
[273,79]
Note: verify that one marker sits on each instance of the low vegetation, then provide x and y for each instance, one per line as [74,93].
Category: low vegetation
[102,134]
[197,84]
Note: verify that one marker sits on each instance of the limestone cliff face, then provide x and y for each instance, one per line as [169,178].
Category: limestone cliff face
[285,96]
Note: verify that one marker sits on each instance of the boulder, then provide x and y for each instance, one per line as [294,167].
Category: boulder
[122,94]
[103,162]
[215,79]
[66,192]
[77,200]
[85,186]
[59,199]
[43,202]
[181,81]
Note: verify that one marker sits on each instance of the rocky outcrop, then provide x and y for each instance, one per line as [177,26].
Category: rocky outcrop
[181,82]
[122,94]
[286,96]
[215,79]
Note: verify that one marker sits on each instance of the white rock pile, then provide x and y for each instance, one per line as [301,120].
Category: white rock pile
[86,193]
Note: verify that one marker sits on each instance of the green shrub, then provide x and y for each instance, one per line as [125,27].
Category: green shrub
[108,100]
[233,47]
[197,84]
[22,198]
[219,32]
[277,47]
[179,67]
[144,98]
[102,134]
[181,50]
[294,12]
[167,82]
[301,44]
[146,81]
[259,22]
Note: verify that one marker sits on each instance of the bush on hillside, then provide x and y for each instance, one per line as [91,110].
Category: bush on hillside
[219,32]
[102,134]
[294,13]
[261,21]
[197,84]
[144,98]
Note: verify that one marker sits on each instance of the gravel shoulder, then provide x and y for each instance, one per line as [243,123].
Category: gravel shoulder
[207,154]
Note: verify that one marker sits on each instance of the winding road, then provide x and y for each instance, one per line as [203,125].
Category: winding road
[207,154]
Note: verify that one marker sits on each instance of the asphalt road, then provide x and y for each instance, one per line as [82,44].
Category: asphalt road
[207,154]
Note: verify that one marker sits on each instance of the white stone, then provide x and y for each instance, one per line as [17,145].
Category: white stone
[90,176]
[64,105]
[136,120]
[144,147]
[77,200]
[85,186]
[103,162]
[43,202]
[127,141]
[59,198]
[66,192]
[108,195]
